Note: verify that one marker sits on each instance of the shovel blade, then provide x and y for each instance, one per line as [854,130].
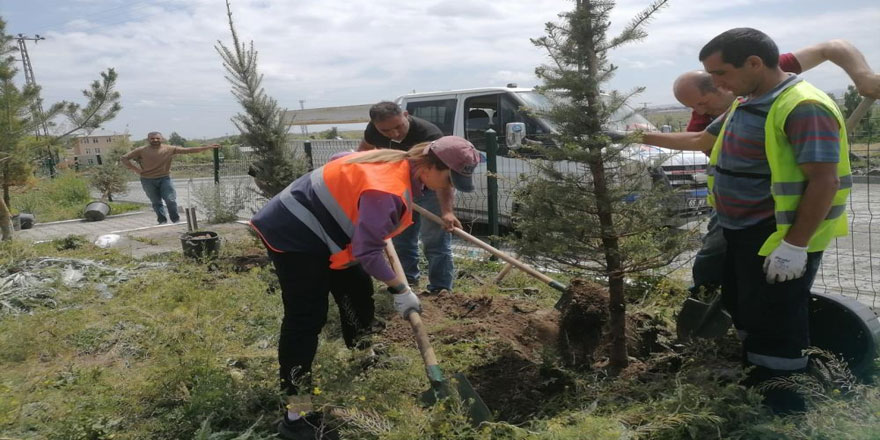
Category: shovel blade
[716,326]
[477,410]
[700,319]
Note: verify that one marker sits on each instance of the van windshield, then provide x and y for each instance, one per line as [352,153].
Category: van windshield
[624,119]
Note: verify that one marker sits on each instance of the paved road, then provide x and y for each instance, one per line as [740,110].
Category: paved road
[187,190]
[114,224]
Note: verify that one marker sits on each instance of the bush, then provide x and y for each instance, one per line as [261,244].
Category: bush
[221,202]
[61,198]
[110,177]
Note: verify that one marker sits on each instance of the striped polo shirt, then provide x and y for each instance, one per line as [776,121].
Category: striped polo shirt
[742,174]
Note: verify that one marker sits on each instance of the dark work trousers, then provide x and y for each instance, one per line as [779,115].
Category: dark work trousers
[305,282]
[772,319]
[709,262]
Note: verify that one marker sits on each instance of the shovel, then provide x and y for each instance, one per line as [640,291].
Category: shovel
[478,412]
[698,319]
[510,260]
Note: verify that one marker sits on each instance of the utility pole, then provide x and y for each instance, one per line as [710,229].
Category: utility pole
[41,130]
[305,128]
[644,108]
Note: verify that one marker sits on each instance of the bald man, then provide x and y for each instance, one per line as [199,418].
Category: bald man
[154,168]
[696,90]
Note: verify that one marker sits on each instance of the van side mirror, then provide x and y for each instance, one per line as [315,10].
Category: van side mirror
[514,133]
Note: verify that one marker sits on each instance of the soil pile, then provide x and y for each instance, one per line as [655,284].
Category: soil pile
[516,382]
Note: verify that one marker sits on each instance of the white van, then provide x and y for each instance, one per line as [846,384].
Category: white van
[469,112]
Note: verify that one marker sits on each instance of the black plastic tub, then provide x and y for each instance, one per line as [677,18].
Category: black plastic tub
[96,211]
[200,245]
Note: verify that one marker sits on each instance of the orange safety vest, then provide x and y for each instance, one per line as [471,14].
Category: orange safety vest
[339,186]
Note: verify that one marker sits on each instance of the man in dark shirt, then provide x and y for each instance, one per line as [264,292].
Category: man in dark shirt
[392,127]
[396,129]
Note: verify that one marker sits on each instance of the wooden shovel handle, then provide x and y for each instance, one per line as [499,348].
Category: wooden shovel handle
[513,261]
[858,114]
[415,320]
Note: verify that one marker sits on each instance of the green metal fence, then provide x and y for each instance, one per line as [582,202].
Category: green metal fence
[850,266]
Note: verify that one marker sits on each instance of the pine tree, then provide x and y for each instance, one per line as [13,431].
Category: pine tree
[261,125]
[602,214]
[17,120]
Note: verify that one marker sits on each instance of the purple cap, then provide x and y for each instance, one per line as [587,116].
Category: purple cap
[461,157]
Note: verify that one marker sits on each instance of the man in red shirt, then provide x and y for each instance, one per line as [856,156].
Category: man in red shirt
[696,90]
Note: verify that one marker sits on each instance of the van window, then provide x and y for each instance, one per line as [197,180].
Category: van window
[481,113]
[441,113]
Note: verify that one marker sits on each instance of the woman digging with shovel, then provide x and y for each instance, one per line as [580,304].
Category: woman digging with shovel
[325,233]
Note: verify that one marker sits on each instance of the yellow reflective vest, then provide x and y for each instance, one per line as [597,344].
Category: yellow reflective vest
[787,181]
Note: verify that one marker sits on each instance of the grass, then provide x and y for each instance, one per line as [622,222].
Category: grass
[62,198]
[188,351]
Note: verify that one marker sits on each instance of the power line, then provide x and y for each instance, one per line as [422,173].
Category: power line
[41,130]
[104,14]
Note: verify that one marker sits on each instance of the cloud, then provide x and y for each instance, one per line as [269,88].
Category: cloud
[335,52]
[466,10]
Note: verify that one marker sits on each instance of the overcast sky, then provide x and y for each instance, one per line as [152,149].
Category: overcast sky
[342,52]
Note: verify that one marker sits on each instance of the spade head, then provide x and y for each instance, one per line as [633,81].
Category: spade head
[459,386]
[698,319]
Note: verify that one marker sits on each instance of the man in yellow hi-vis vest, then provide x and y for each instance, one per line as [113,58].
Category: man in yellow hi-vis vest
[779,178]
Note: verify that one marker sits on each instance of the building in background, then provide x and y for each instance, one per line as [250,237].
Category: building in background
[88,150]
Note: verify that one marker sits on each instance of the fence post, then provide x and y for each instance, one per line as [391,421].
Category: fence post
[216,165]
[50,163]
[307,148]
[492,179]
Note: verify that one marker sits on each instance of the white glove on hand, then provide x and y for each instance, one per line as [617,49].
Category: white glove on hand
[787,262]
[406,302]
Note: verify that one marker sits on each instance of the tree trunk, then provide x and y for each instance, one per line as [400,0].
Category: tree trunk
[5,222]
[611,245]
[604,206]
[6,186]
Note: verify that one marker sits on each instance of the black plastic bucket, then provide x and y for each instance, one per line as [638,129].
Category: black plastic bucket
[96,211]
[200,245]
[26,220]
[845,327]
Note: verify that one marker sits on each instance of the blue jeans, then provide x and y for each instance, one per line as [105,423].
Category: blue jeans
[159,189]
[709,262]
[437,243]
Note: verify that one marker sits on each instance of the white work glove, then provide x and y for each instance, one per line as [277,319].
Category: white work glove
[787,262]
[405,302]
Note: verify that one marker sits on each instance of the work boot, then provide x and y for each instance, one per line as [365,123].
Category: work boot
[309,427]
[436,292]
[298,429]
[784,402]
